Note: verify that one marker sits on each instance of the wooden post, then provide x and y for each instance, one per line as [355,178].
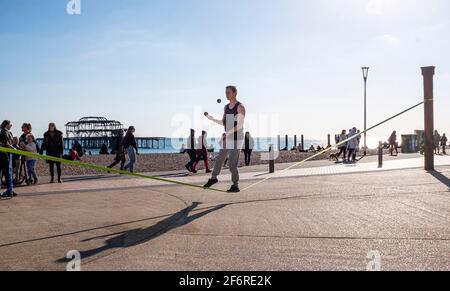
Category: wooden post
[329,140]
[271,160]
[302,140]
[287,142]
[428,74]
[295,141]
[380,154]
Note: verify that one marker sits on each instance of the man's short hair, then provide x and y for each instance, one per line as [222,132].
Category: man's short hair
[232,88]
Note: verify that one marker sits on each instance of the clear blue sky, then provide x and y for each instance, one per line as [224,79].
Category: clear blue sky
[157,64]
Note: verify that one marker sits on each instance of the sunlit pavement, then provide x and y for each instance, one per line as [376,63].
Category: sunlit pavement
[312,218]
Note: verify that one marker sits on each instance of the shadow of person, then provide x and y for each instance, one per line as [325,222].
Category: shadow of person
[139,236]
[441,178]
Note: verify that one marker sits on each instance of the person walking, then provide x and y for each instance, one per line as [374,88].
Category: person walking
[437,142]
[343,147]
[119,150]
[6,141]
[202,153]
[351,146]
[249,144]
[130,145]
[444,144]
[53,145]
[233,121]
[30,146]
[393,143]
[192,152]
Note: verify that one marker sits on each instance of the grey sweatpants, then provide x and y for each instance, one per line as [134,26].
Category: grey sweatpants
[233,162]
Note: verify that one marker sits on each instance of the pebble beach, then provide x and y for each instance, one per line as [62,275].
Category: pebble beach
[147,163]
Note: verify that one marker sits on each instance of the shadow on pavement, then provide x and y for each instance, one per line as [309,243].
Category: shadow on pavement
[441,178]
[139,236]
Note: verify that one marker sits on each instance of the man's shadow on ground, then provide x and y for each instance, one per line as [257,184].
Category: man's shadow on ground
[139,236]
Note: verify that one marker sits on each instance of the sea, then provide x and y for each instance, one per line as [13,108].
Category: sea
[173,145]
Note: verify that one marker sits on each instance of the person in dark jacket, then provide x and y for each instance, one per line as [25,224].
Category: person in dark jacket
[192,152]
[53,145]
[129,144]
[119,150]
[6,141]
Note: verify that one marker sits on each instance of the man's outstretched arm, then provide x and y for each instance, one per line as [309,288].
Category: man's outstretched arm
[218,121]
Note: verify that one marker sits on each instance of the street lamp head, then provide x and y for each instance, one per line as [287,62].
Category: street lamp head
[365,71]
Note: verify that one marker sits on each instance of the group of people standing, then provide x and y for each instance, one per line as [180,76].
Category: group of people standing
[350,146]
[440,142]
[16,169]
[23,168]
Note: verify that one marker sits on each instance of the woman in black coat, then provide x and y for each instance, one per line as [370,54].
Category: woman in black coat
[53,145]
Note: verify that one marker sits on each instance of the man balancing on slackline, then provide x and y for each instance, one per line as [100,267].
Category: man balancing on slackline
[233,121]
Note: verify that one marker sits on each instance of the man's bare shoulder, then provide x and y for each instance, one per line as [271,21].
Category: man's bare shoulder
[241,108]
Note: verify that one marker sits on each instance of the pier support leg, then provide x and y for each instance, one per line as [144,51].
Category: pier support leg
[428,74]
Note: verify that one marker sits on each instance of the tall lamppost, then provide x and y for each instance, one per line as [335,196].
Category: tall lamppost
[365,71]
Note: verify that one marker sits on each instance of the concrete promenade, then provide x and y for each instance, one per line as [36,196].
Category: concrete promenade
[320,216]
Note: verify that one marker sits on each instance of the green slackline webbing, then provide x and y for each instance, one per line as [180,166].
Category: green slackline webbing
[336,146]
[99,168]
